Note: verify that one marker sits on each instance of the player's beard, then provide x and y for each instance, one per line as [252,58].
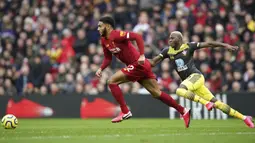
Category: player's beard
[104,33]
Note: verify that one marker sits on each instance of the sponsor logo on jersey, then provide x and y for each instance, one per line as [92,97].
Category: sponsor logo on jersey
[115,50]
[180,65]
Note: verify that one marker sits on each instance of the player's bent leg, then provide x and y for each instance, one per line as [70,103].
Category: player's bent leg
[205,93]
[118,78]
[193,83]
[113,84]
[184,92]
[230,111]
[152,86]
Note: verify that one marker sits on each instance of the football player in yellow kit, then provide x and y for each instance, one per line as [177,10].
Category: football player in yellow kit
[193,86]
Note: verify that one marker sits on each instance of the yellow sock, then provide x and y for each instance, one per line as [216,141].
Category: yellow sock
[228,110]
[190,95]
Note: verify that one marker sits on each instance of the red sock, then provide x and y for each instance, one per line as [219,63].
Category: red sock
[168,100]
[117,94]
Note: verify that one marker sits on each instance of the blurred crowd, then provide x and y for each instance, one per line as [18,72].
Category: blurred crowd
[52,47]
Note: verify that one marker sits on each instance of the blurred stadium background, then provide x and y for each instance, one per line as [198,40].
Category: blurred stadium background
[52,46]
[50,51]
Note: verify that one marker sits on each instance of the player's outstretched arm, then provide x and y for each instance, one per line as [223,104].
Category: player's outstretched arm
[215,44]
[155,60]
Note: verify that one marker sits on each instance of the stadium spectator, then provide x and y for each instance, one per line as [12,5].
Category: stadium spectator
[43,91]
[54,44]
[9,88]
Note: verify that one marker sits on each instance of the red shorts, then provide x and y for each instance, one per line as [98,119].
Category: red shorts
[136,72]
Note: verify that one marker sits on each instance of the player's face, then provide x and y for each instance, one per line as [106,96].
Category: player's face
[173,40]
[101,29]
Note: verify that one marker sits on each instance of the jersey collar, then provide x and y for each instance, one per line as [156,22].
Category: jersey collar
[172,51]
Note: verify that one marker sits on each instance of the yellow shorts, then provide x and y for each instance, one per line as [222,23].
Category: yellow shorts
[196,83]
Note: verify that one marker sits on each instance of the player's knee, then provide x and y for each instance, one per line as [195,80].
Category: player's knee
[156,94]
[213,100]
[181,91]
[183,86]
[111,81]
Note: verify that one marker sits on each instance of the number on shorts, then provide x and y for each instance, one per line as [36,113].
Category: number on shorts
[129,68]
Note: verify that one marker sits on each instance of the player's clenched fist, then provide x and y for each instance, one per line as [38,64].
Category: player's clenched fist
[99,72]
[230,47]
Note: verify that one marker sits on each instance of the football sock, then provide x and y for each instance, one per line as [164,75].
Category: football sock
[117,94]
[168,100]
[228,110]
[190,95]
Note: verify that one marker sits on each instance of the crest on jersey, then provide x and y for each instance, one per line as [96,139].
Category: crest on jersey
[122,33]
[184,52]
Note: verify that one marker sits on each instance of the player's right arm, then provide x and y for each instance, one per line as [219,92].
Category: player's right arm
[159,57]
[106,62]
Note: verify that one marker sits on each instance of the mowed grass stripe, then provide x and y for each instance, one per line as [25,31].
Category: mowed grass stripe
[134,131]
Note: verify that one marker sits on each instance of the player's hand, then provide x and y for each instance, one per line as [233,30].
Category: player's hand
[232,48]
[99,72]
[141,60]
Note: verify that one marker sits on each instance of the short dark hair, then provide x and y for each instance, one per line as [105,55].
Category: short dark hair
[108,20]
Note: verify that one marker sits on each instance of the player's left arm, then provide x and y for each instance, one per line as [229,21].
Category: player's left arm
[215,44]
[155,60]
[159,57]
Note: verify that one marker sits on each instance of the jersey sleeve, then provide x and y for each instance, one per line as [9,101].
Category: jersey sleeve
[193,46]
[107,57]
[163,53]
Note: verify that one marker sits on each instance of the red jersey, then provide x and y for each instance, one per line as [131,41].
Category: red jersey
[119,44]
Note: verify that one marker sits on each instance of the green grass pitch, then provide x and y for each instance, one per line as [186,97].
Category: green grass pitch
[130,131]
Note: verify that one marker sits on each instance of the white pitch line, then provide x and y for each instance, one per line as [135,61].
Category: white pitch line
[50,137]
[129,135]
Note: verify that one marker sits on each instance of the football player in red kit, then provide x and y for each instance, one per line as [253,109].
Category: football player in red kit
[118,43]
